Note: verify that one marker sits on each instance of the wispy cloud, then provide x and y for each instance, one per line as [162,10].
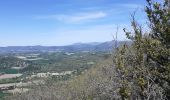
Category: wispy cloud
[87,14]
[77,17]
[131,6]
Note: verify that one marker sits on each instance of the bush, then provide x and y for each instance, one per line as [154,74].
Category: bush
[144,68]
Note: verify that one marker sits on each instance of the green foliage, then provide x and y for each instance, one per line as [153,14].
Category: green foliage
[10,80]
[3,95]
[159,18]
[10,61]
[50,62]
[9,71]
[147,61]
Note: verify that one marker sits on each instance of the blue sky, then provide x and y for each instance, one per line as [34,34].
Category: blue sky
[63,22]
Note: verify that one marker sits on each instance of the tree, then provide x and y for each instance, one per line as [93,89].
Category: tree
[145,66]
[159,22]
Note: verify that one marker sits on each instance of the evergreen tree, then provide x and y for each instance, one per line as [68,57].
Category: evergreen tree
[145,66]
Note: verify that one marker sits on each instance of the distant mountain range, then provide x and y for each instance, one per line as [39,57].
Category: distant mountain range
[77,47]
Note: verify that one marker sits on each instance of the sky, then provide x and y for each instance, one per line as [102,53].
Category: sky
[63,22]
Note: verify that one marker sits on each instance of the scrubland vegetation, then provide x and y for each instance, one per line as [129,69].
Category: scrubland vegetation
[140,71]
[26,74]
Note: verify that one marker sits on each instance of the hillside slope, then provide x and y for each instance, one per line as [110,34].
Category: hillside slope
[96,83]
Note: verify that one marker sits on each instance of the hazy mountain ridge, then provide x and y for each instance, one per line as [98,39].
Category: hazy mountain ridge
[94,46]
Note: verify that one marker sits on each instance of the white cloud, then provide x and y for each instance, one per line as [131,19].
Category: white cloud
[77,17]
[131,6]
[88,16]
[93,13]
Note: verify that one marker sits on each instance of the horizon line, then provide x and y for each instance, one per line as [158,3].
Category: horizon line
[58,45]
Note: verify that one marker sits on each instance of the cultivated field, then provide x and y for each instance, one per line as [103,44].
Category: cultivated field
[7,76]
